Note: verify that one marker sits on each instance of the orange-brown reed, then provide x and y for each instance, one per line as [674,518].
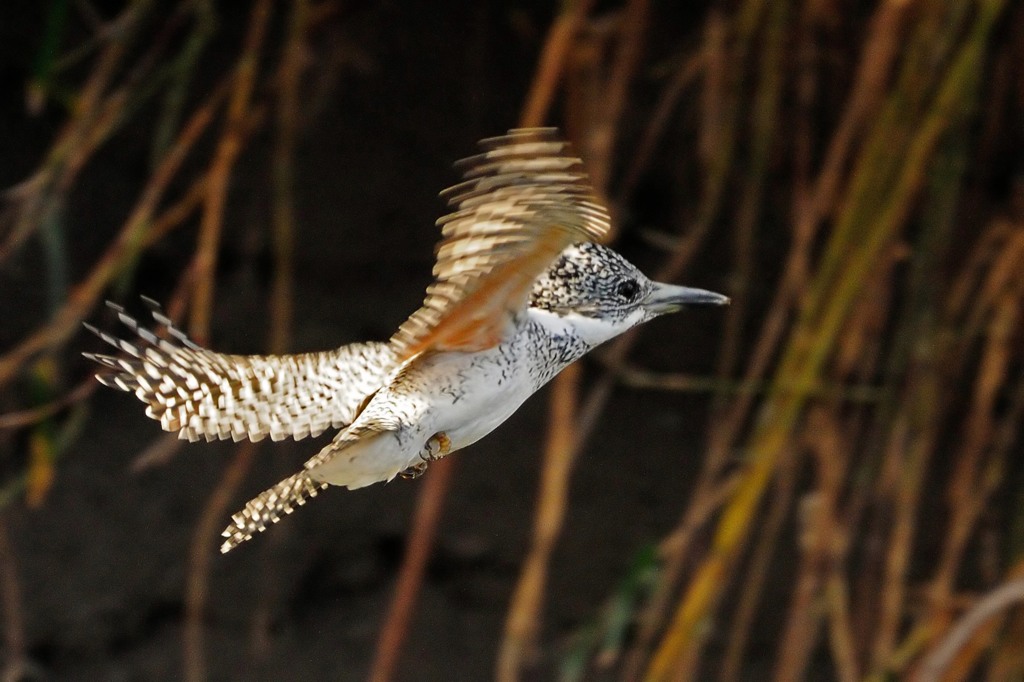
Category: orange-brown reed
[876,396]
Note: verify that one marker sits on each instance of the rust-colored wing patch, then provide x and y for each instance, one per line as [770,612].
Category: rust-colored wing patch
[523,200]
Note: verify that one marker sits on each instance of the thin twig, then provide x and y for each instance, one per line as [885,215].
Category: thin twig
[228,149]
[552,61]
[200,557]
[751,592]
[83,296]
[14,621]
[523,617]
[426,518]
[685,76]
[22,418]
[935,664]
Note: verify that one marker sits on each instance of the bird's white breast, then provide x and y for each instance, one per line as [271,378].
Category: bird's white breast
[463,395]
[471,394]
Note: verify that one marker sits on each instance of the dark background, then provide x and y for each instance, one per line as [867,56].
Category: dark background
[893,500]
[102,561]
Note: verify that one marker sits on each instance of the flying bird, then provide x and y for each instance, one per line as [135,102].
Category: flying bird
[521,289]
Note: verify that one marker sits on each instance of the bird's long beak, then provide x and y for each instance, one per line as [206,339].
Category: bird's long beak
[668,298]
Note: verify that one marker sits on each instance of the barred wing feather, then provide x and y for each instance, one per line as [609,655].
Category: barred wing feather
[524,199]
[202,394]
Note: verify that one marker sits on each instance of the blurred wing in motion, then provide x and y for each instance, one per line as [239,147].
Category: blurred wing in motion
[523,200]
[202,394]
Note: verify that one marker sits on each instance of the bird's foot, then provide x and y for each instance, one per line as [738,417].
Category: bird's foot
[437,447]
[415,471]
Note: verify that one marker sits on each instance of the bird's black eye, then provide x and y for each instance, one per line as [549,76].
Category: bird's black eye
[628,289]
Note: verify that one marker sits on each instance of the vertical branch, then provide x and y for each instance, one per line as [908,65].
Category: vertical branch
[811,344]
[200,555]
[602,133]
[227,151]
[426,519]
[818,533]
[14,625]
[283,231]
[226,154]
[765,114]
[430,501]
[551,65]
[567,429]
[523,616]
[757,573]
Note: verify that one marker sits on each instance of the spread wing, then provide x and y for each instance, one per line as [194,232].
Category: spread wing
[202,394]
[524,199]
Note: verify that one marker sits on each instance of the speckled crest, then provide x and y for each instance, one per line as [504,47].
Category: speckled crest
[591,280]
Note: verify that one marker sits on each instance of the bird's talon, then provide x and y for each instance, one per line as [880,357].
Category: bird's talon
[415,471]
[437,447]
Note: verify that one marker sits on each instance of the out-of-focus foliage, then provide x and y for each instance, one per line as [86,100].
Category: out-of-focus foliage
[863,446]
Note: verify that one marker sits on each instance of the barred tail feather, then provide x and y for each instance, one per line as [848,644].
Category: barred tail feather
[268,507]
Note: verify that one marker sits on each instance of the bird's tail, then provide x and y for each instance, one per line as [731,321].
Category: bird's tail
[267,508]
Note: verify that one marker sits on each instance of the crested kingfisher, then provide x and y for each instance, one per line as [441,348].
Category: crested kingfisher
[521,290]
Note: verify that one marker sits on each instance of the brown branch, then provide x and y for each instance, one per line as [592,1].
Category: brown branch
[686,75]
[603,131]
[22,418]
[200,556]
[228,149]
[13,619]
[935,664]
[426,518]
[751,592]
[84,296]
[551,65]
[523,617]
[817,535]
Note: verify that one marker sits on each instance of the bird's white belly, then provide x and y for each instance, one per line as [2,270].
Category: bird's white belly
[364,462]
[487,393]
[463,397]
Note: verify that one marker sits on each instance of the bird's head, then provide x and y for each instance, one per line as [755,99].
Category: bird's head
[602,295]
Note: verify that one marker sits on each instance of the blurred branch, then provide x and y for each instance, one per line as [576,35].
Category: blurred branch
[552,61]
[812,341]
[238,118]
[688,72]
[938,660]
[200,557]
[752,590]
[523,619]
[122,250]
[226,154]
[23,418]
[15,648]
[427,517]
